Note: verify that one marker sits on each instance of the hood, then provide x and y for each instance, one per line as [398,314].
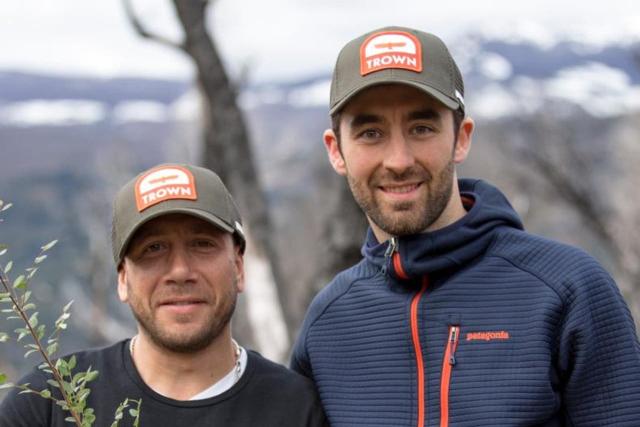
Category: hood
[416,255]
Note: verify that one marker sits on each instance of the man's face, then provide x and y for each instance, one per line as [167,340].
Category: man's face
[398,151]
[181,276]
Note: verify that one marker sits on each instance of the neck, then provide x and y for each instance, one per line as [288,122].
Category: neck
[181,376]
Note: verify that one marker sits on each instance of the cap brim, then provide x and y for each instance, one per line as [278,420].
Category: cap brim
[435,93]
[187,211]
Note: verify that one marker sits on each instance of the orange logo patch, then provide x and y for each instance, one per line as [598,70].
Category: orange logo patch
[392,49]
[487,336]
[164,183]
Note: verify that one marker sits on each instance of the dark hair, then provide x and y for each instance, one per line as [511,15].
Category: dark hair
[458,117]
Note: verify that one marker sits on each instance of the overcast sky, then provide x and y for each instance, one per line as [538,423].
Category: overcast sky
[272,39]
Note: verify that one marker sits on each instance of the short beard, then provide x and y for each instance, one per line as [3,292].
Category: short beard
[410,219]
[192,344]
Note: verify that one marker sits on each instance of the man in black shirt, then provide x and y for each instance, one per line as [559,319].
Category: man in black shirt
[178,245]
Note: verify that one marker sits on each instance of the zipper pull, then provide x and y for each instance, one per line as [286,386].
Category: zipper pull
[453,344]
[388,254]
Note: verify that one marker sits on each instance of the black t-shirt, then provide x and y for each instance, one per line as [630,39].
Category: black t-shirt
[266,395]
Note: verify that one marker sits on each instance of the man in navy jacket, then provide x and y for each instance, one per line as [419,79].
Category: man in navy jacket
[455,316]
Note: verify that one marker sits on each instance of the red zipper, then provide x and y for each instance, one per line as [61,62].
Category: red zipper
[397,266]
[447,365]
[415,336]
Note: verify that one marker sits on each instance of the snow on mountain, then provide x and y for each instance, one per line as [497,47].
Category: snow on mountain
[62,112]
[495,66]
[518,70]
[314,95]
[140,111]
[599,89]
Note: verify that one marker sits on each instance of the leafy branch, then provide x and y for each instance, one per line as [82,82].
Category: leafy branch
[73,387]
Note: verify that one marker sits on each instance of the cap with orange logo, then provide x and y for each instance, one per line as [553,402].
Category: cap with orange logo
[172,188]
[397,55]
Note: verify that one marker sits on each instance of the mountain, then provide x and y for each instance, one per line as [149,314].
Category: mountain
[68,142]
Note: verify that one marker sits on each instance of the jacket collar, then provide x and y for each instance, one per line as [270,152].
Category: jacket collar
[416,255]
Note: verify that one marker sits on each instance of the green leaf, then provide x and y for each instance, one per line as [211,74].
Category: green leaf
[53,383]
[3,250]
[32,272]
[91,375]
[66,307]
[3,378]
[67,387]
[4,337]
[45,393]
[29,306]
[49,245]
[62,367]
[71,363]
[40,331]
[33,320]
[52,349]
[22,332]
[39,259]
[7,206]
[7,267]
[83,394]
[133,412]
[88,414]
[20,282]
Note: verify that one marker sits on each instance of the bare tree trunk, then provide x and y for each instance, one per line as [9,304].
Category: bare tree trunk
[227,149]
[343,234]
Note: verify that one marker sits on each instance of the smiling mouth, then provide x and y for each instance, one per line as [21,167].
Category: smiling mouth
[181,303]
[400,189]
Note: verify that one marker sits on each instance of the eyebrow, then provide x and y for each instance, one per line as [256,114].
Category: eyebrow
[362,119]
[425,115]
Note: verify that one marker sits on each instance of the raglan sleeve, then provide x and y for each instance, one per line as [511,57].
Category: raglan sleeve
[299,357]
[26,409]
[599,354]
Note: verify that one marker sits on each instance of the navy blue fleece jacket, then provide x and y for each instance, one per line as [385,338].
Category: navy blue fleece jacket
[475,324]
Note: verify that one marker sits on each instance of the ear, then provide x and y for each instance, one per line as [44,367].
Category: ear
[123,291]
[333,151]
[239,264]
[463,144]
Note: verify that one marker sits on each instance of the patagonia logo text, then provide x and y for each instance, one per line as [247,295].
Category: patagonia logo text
[164,183]
[487,336]
[393,49]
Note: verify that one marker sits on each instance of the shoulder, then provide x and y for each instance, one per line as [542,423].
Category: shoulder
[33,410]
[341,284]
[272,377]
[565,268]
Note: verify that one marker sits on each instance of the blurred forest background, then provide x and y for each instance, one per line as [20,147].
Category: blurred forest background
[557,130]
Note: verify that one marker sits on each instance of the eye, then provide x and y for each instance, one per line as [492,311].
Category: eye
[154,247]
[204,244]
[420,130]
[369,135]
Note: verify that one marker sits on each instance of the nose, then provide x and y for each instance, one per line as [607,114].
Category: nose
[180,269]
[399,156]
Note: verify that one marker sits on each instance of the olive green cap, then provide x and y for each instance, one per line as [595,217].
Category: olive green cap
[172,188]
[397,55]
